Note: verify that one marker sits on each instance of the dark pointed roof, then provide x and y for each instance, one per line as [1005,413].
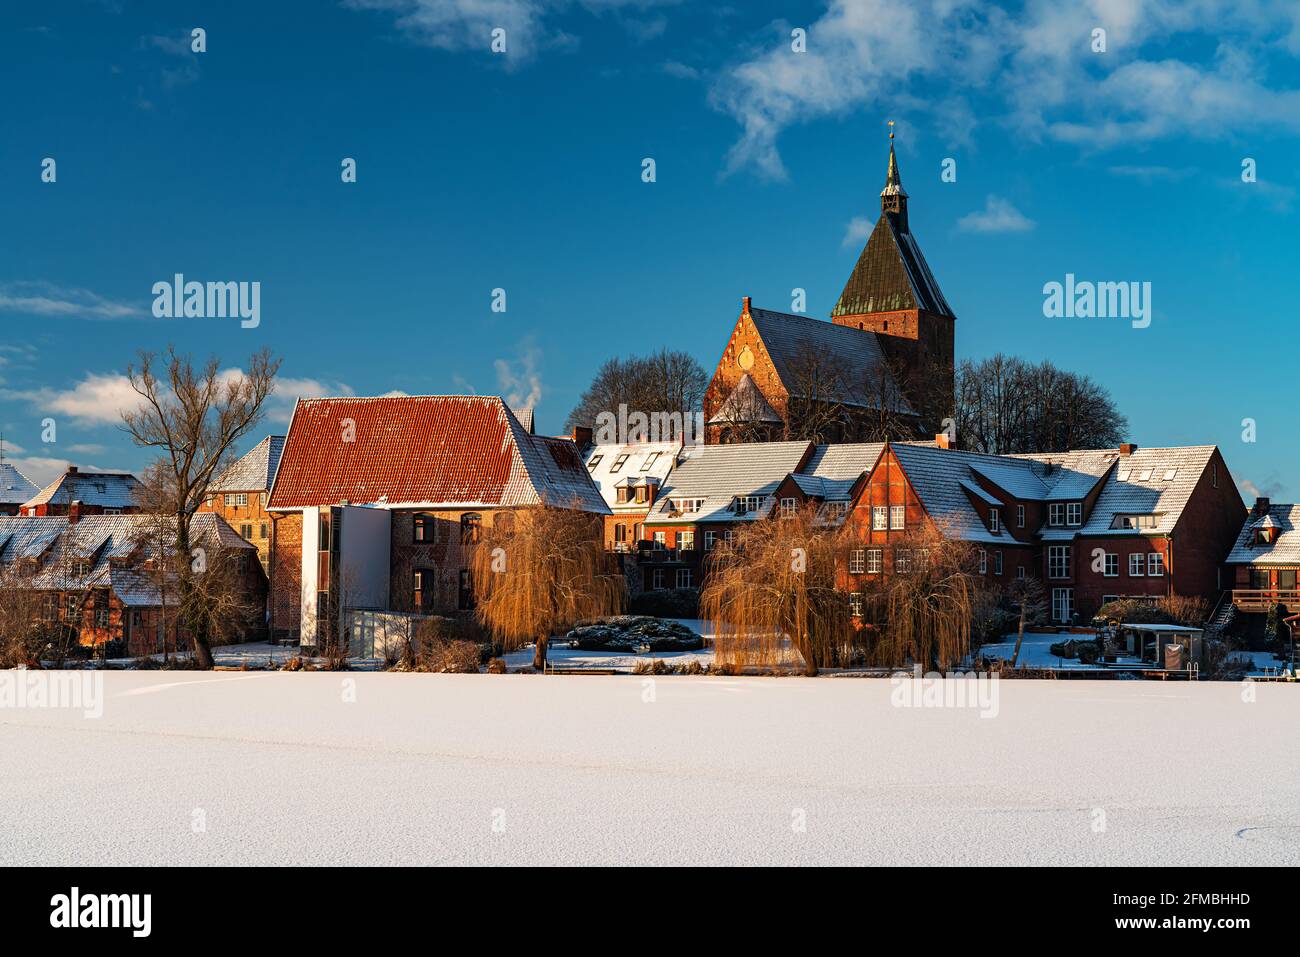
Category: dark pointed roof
[891,274]
[746,404]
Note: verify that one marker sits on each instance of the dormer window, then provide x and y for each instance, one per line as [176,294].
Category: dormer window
[995,521]
[618,463]
[747,503]
[650,460]
[1056,514]
[1265,536]
[1074,513]
[595,460]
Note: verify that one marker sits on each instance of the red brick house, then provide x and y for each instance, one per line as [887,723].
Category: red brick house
[99,575]
[1265,559]
[1092,525]
[15,489]
[86,493]
[630,478]
[392,493]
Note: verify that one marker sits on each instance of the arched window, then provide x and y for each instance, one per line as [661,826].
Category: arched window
[470,524]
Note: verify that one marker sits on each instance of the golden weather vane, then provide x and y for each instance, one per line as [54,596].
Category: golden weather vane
[891,129]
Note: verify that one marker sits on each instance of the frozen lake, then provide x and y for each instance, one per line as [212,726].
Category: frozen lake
[273,768]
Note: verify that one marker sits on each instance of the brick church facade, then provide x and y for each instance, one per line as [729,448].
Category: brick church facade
[881,368]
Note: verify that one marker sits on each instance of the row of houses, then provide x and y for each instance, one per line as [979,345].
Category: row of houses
[376,503]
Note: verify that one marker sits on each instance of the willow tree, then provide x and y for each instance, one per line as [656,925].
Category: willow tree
[775,586]
[541,571]
[929,599]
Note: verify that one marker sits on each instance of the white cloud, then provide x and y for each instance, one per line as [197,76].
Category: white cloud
[279,406]
[858,231]
[41,470]
[520,382]
[1034,65]
[680,70]
[997,216]
[96,399]
[47,299]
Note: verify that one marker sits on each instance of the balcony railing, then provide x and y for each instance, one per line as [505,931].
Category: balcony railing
[1261,599]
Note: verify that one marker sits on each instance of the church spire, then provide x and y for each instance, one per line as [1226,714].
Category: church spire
[893,198]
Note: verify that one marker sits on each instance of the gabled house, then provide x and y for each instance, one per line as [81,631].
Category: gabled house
[85,493]
[15,489]
[104,576]
[713,490]
[1093,525]
[240,497]
[393,492]
[629,478]
[1265,558]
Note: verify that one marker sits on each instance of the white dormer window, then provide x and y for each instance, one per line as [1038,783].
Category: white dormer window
[746,504]
[1056,514]
[995,521]
[834,511]
[1074,513]
[1020,516]
[789,507]
[686,505]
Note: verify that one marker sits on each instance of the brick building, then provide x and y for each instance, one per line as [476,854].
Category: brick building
[100,575]
[15,489]
[392,493]
[884,363]
[239,496]
[1265,559]
[629,478]
[86,493]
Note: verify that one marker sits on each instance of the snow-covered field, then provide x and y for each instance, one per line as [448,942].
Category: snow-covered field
[277,768]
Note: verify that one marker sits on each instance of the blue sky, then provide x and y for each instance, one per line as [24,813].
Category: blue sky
[523,171]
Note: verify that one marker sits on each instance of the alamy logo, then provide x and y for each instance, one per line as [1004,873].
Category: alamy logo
[212,300]
[956,689]
[72,910]
[1099,300]
[23,688]
[630,428]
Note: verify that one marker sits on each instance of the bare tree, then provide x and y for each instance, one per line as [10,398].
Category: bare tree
[1028,598]
[541,573]
[195,417]
[1006,405]
[777,582]
[885,414]
[665,382]
[818,382]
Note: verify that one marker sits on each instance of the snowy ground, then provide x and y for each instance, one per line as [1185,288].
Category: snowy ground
[277,768]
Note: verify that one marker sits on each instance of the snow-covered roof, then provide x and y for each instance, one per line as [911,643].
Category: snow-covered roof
[438,451]
[745,404]
[1148,481]
[940,478]
[104,489]
[92,552]
[256,470]
[644,460]
[15,488]
[718,474]
[1283,550]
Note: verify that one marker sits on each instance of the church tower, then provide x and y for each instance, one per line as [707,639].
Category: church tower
[892,293]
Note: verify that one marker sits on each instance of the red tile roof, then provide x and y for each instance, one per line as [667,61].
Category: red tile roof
[441,450]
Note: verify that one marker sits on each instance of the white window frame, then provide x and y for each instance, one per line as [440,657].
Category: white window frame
[984,562]
[684,579]
[746,504]
[1056,514]
[1020,572]
[995,520]
[855,604]
[875,561]
[661,539]
[858,561]
[1155,564]
[1110,565]
[1074,514]
[879,518]
[789,507]
[1020,516]
[1062,605]
[1058,562]
[897,517]
[1136,565]
[650,460]
[686,539]
[710,539]
[997,563]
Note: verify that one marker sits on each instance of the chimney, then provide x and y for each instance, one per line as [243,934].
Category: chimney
[744,305]
[942,441]
[74,512]
[1126,449]
[72,470]
[581,436]
[1261,506]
